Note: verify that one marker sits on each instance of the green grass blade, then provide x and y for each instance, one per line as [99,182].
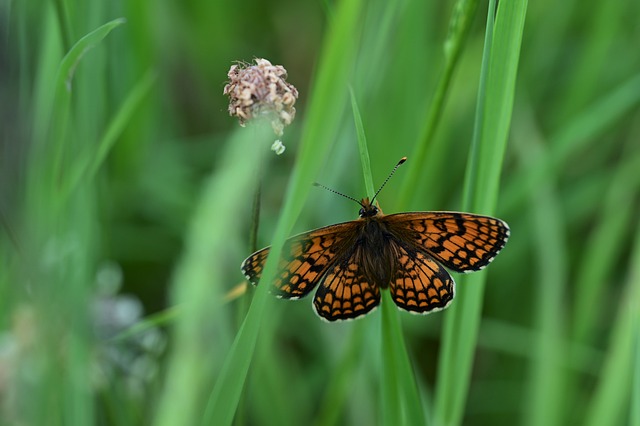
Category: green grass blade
[381,20]
[399,394]
[576,135]
[159,319]
[613,392]
[53,96]
[591,57]
[401,403]
[362,145]
[459,26]
[57,117]
[391,394]
[635,335]
[60,246]
[324,114]
[500,92]
[42,104]
[198,277]
[72,58]
[90,164]
[547,379]
[462,320]
[337,394]
[605,245]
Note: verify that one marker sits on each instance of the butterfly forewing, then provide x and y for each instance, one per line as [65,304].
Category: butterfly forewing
[463,242]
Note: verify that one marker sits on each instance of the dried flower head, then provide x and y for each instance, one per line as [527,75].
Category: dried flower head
[261,90]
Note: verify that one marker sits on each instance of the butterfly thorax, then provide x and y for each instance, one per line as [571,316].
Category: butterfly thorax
[373,245]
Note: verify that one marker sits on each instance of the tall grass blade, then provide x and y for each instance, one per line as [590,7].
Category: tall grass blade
[92,161]
[198,277]
[362,146]
[576,135]
[326,104]
[459,25]
[481,189]
[547,378]
[605,245]
[401,402]
[635,336]
[57,118]
[614,389]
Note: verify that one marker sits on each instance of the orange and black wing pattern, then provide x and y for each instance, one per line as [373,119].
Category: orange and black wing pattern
[353,261]
[345,291]
[420,284]
[463,242]
[305,259]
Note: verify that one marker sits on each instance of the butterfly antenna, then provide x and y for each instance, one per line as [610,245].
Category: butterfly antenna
[402,160]
[336,192]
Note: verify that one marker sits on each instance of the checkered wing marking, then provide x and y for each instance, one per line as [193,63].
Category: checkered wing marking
[463,242]
[305,258]
[419,283]
[345,292]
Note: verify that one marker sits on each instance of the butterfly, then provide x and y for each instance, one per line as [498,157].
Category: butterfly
[351,262]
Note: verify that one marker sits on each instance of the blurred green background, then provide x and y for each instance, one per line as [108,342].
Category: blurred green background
[122,177]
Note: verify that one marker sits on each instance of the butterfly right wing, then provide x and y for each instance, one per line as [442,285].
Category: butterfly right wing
[419,284]
[305,259]
[463,242]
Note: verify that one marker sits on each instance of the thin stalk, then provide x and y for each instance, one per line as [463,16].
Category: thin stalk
[401,402]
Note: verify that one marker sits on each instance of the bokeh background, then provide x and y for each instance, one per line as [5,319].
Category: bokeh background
[106,156]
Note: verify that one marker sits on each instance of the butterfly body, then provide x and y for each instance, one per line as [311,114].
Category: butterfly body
[404,252]
[372,246]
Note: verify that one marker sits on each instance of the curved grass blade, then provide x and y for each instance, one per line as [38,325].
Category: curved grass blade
[57,115]
[88,168]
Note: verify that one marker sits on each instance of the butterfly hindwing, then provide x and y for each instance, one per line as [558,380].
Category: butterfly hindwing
[463,242]
[345,291]
[420,284]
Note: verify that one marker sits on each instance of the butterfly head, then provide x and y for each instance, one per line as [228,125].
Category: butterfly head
[368,209]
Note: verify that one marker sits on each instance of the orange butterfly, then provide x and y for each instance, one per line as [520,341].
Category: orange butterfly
[404,252]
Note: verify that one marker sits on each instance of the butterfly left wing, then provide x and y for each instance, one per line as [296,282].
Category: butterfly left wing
[305,258]
[463,242]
